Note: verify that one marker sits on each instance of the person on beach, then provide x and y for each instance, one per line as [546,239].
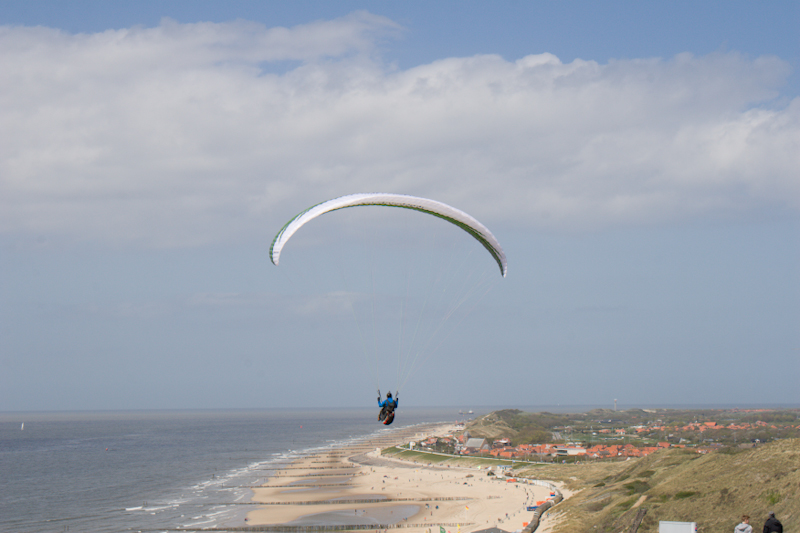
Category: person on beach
[387,408]
[745,526]
[773,525]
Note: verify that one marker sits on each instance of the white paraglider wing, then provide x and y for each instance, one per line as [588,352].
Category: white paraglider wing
[455,216]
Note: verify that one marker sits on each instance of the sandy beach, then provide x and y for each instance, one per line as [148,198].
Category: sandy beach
[354,485]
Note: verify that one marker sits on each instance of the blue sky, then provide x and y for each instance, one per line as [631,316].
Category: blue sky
[638,162]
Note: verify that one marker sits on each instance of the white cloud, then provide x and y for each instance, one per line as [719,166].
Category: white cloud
[189,133]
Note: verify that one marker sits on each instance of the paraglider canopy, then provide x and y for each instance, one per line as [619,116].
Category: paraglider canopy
[455,216]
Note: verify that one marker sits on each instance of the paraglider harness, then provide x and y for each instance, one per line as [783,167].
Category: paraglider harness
[387,407]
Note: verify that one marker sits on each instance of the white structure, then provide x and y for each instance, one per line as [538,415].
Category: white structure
[569,450]
[677,527]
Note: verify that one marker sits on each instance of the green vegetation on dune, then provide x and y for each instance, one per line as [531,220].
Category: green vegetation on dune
[519,426]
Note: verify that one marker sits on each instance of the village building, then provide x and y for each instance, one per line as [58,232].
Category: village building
[474,446]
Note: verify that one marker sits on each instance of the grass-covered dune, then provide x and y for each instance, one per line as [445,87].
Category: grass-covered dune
[713,490]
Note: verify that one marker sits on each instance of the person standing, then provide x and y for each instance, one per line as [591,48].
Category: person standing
[745,526]
[773,525]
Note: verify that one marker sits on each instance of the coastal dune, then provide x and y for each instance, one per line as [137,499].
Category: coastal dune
[356,486]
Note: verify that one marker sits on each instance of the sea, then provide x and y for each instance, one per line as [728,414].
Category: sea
[162,470]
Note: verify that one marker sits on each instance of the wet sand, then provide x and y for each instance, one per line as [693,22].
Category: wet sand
[354,485]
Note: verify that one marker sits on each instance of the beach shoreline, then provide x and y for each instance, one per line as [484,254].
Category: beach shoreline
[353,485]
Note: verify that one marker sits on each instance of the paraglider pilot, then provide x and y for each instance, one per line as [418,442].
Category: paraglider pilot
[387,407]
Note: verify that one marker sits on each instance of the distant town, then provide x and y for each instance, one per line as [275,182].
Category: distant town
[605,434]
